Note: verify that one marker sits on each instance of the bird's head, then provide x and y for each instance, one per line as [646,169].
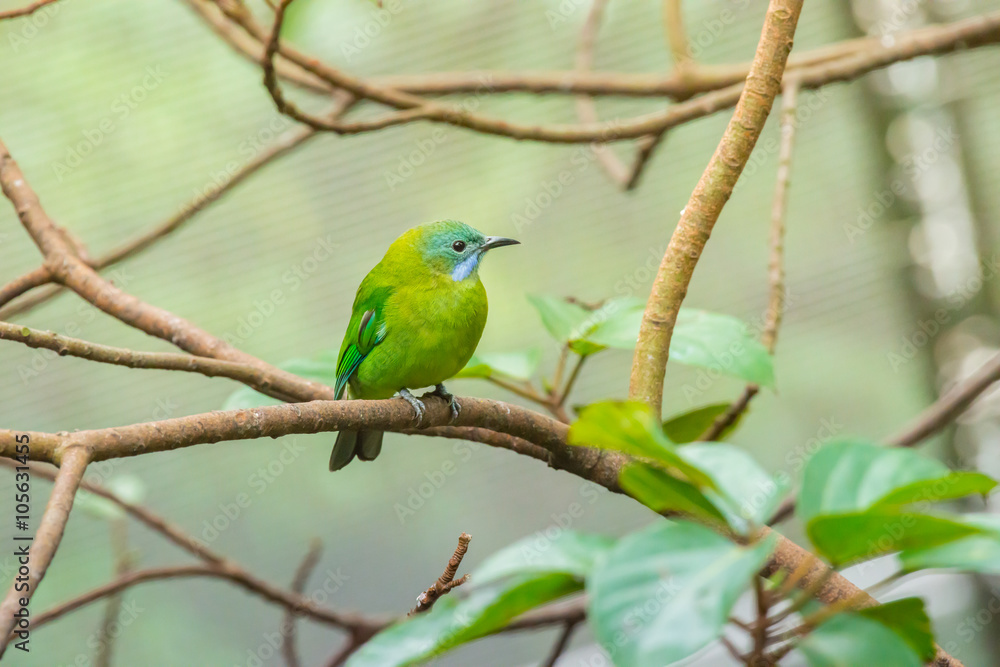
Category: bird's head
[452,247]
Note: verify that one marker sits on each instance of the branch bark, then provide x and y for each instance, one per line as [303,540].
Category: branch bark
[46,540]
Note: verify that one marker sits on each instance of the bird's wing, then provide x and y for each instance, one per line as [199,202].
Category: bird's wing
[366,330]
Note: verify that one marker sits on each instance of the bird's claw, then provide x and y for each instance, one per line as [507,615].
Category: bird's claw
[439,390]
[418,406]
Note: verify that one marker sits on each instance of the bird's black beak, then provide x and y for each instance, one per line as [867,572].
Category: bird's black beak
[497,242]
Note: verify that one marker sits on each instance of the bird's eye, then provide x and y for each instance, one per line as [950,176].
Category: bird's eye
[458,246]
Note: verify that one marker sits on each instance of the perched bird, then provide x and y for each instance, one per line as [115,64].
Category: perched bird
[416,321]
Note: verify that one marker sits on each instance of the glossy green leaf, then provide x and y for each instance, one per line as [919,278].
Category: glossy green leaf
[561,318]
[909,620]
[852,474]
[662,492]
[665,592]
[460,617]
[323,370]
[721,343]
[747,494]
[852,639]
[688,426]
[952,485]
[520,365]
[976,553]
[565,552]
[616,323]
[847,537]
[629,427]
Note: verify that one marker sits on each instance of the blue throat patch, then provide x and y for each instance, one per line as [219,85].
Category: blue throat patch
[466,267]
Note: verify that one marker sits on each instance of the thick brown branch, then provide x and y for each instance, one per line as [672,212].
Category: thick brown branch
[44,543]
[67,268]
[707,200]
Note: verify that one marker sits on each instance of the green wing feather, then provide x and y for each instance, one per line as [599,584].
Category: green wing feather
[366,330]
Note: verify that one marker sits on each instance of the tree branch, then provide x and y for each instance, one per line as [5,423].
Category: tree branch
[299,581]
[46,539]
[707,200]
[25,11]
[447,580]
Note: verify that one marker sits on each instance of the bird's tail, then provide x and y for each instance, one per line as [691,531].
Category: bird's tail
[366,445]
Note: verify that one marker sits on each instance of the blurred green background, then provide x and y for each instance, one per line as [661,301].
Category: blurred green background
[183,109]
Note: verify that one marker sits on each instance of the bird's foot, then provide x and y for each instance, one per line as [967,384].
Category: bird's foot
[439,390]
[417,405]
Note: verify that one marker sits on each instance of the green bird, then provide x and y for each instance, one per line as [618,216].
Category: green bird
[417,318]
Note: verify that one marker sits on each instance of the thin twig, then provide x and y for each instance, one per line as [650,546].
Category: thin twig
[561,643]
[586,108]
[299,581]
[705,205]
[124,562]
[447,580]
[949,406]
[776,261]
[25,11]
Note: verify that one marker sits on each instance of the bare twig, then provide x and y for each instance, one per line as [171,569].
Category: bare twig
[447,580]
[299,581]
[25,11]
[561,642]
[147,239]
[949,406]
[707,200]
[586,109]
[776,262]
[124,562]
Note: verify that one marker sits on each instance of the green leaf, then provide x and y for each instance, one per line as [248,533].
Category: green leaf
[976,553]
[722,343]
[909,620]
[629,427]
[667,591]
[616,323]
[847,537]
[560,317]
[852,474]
[569,552]
[520,365]
[688,426]
[747,494]
[662,492]
[127,487]
[852,639]
[323,370]
[457,618]
[953,485]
